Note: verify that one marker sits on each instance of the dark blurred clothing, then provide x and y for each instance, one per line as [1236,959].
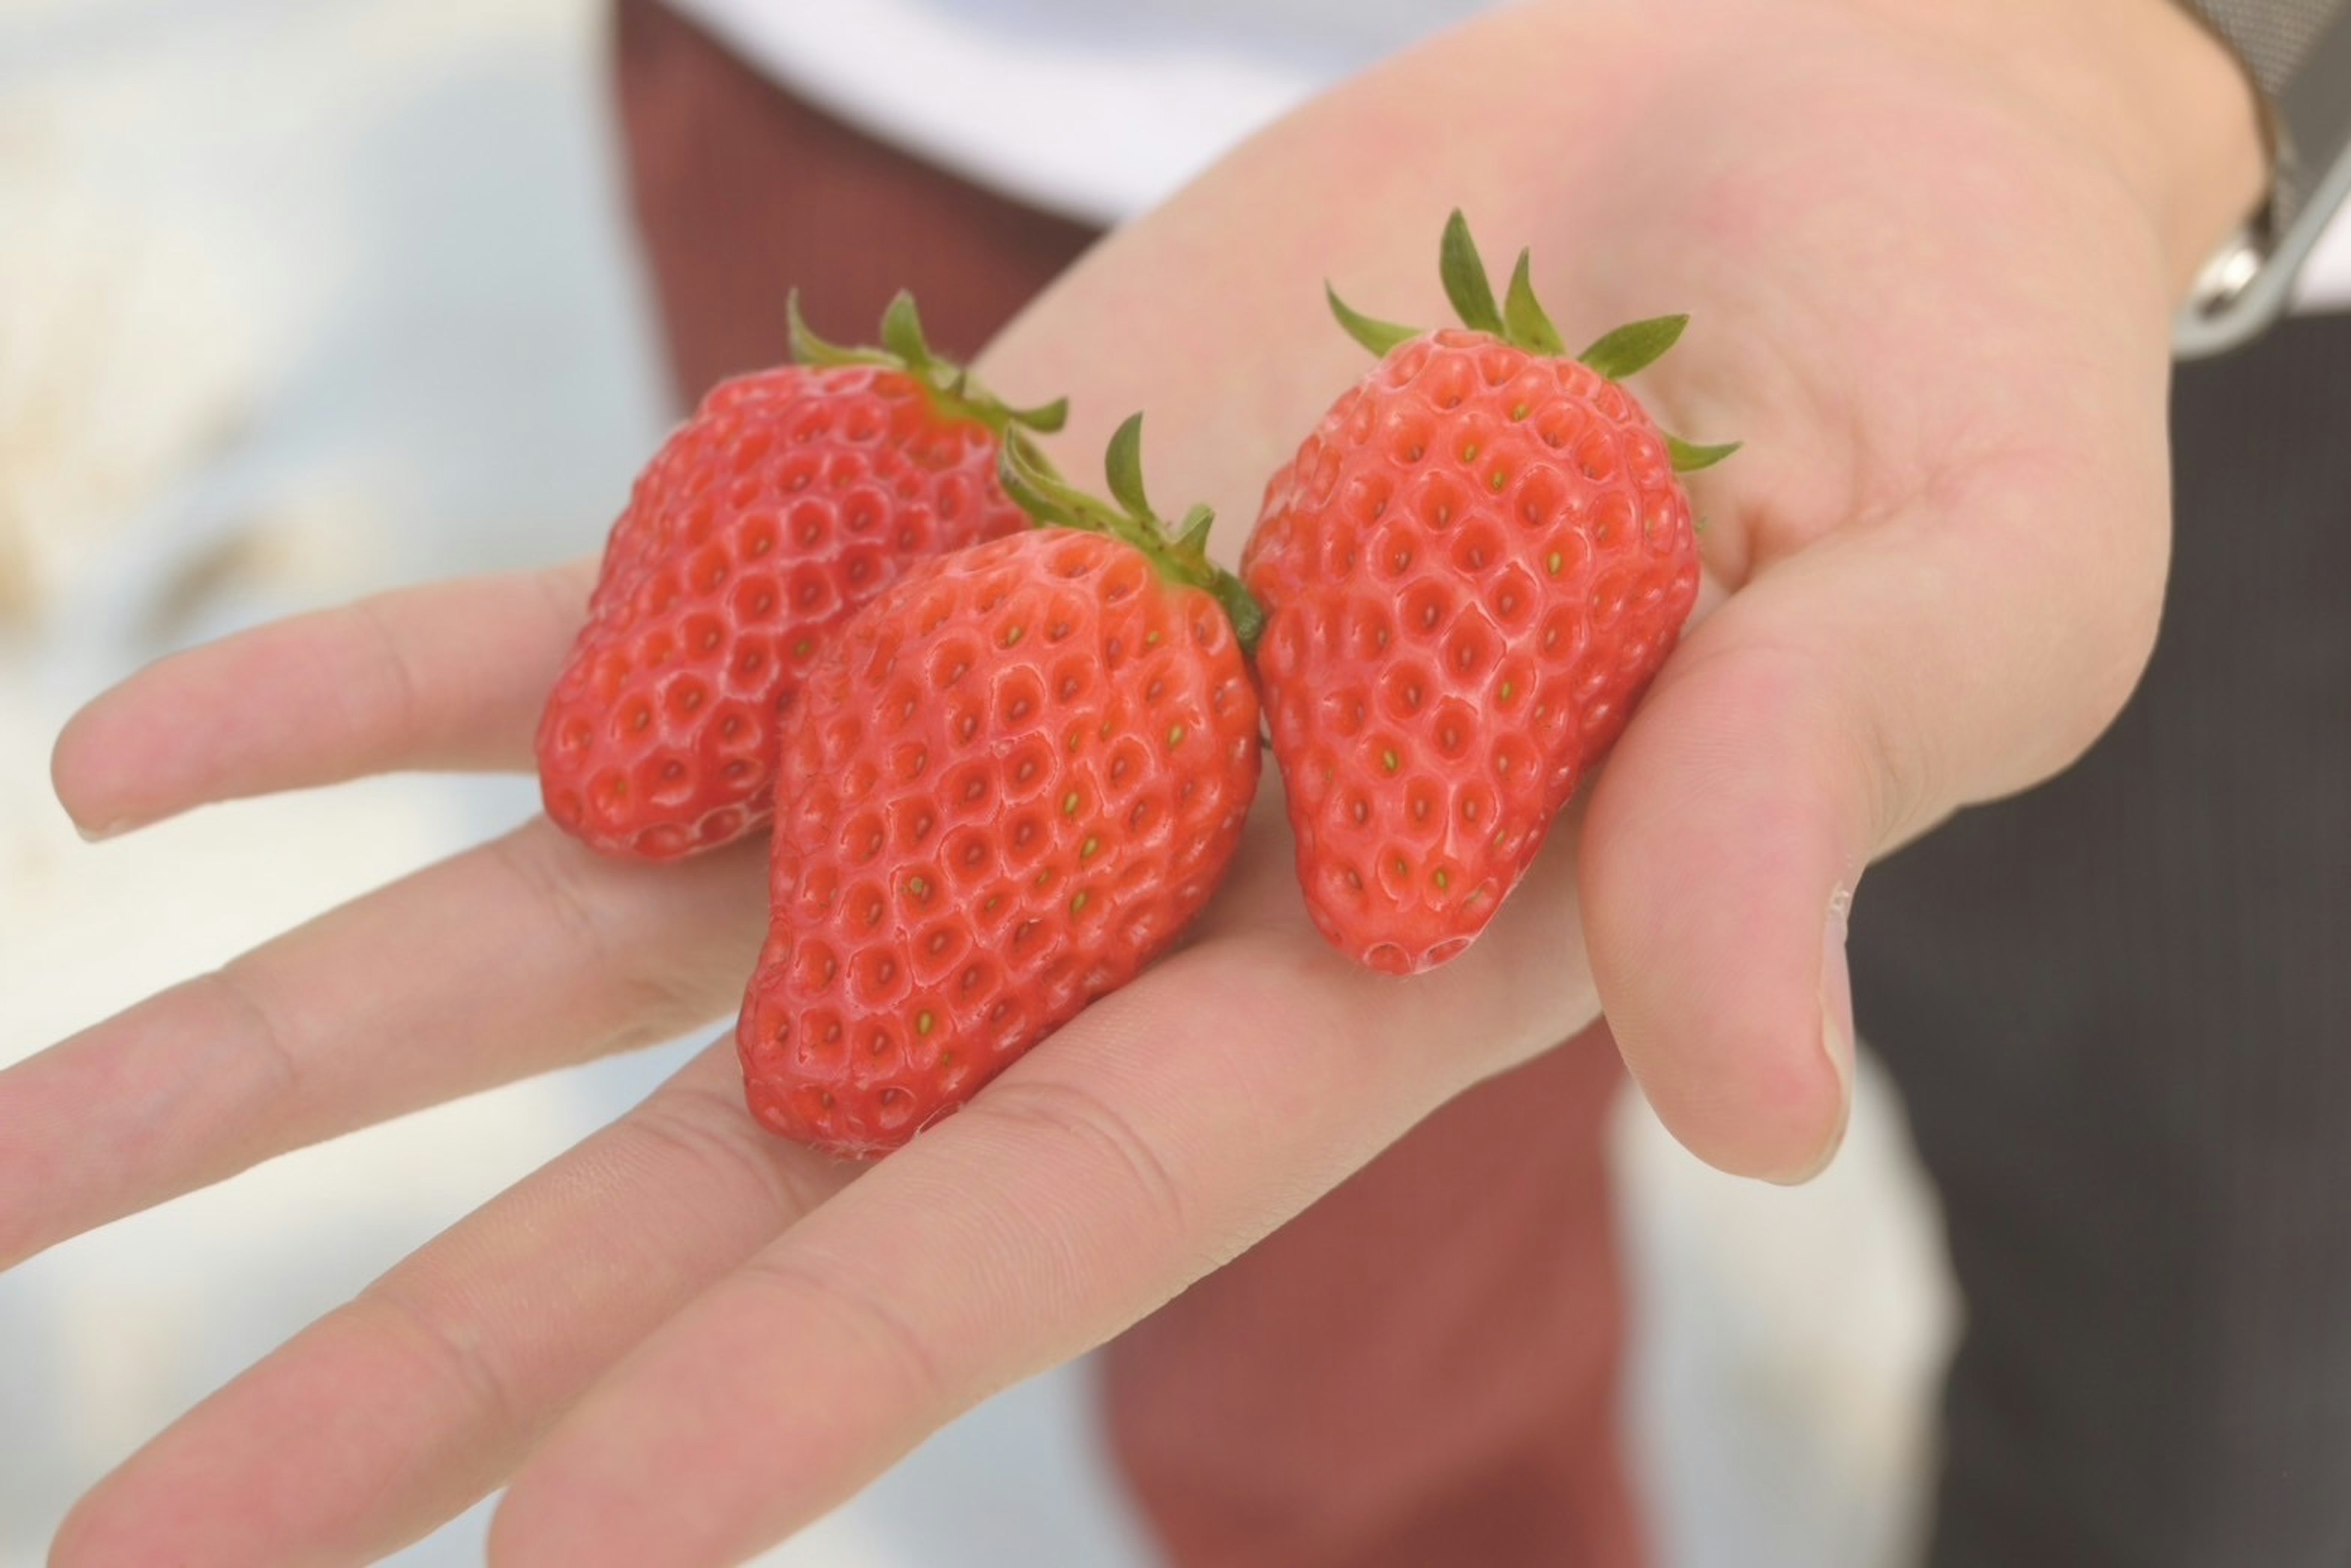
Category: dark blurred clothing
[2119,1008]
[1420,1370]
[741,192]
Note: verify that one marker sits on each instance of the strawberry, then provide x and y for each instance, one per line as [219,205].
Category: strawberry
[1013,779]
[1471,572]
[791,496]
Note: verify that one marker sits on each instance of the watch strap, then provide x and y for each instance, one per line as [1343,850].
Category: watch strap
[2299,53]
[2271,37]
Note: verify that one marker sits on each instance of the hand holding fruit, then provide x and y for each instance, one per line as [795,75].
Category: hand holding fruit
[1930,578]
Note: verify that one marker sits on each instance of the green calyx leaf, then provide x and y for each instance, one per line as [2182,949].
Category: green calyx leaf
[954,391]
[1180,554]
[1523,316]
[1688,457]
[1377,335]
[1123,467]
[901,333]
[1463,274]
[1192,533]
[1044,419]
[807,349]
[1630,350]
[1029,480]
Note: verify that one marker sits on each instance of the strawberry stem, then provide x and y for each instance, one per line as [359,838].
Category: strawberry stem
[1520,321]
[1180,554]
[955,392]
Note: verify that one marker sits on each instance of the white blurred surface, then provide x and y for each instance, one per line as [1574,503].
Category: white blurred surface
[297,300]
[300,298]
[1788,1346]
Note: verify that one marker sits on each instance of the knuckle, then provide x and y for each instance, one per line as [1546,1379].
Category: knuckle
[264,1037]
[395,705]
[448,1346]
[1068,1113]
[658,997]
[855,1310]
[1904,780]
[708,1128]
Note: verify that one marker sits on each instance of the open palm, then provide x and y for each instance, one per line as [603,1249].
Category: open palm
[1932,304]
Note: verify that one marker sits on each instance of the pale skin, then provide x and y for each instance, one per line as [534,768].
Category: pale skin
[1931,250]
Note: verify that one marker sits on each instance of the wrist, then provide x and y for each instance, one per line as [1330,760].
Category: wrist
[2141,84]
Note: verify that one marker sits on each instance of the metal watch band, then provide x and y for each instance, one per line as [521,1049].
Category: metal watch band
[2299,52]
[2273,37]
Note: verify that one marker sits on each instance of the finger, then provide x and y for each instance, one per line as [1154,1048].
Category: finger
[396,1412]
[1171,1125]
[1853,694]
[525,954]
[450,675]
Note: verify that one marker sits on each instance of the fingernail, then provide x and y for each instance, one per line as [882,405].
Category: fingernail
[1836,1027]
[98,834]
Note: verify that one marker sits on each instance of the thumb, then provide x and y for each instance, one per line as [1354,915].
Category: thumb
[1850,695]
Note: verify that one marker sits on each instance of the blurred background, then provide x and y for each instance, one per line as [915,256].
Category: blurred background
[303,298]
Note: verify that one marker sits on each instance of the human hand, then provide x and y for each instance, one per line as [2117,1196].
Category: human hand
[1934,572]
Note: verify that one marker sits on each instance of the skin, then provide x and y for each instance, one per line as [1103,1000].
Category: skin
[1931,250]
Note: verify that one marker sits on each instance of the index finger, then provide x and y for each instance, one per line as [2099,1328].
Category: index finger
[447,675]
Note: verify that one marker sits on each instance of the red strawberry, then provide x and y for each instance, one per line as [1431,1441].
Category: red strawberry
[790,498]
[1471,572]
[1015,779]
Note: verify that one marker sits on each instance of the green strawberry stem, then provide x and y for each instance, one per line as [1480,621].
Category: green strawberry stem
[1520,321]
[954,391]
[1180,554]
